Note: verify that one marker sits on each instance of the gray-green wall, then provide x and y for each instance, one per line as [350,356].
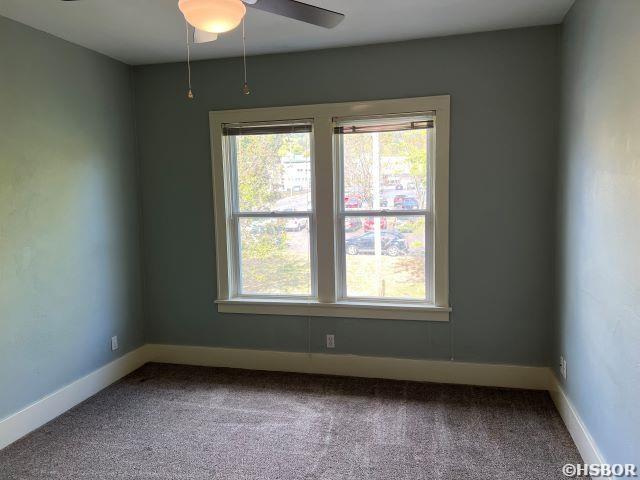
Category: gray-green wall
[69,222]
[599,224]
[505,102]
[70,229]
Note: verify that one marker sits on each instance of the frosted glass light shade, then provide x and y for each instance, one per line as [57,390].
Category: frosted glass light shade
[215,16]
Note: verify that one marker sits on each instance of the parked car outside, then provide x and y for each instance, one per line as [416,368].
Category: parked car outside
[296,224]
[409,203]
[352,224]
[391,243]
[398,200]
[369,224]
[352,201]
[405,203]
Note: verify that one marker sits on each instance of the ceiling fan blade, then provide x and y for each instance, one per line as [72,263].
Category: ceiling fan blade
[299,11]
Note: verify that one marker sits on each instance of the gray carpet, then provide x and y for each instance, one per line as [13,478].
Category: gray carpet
[176,422]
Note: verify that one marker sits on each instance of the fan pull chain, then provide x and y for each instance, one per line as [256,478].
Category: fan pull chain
[190,95]
[245,87]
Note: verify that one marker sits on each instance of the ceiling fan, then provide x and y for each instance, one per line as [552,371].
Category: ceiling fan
[211,17]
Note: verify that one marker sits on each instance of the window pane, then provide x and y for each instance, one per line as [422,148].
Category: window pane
[274,256]
[385,257]
[386,170]
[273,172]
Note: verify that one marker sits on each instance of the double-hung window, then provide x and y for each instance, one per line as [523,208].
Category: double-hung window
[385,180]
[272,225]
[333,209]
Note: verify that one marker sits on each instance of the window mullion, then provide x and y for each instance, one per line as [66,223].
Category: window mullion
[324,211]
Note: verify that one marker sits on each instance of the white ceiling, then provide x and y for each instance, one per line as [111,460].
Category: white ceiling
[153,31]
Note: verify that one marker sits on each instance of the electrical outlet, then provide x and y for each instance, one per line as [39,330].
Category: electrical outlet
[563,367]
[331,341]
[114,343]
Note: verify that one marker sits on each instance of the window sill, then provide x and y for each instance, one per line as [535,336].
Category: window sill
[391,311]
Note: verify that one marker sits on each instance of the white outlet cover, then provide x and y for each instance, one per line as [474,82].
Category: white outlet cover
[331,341]
[114,343]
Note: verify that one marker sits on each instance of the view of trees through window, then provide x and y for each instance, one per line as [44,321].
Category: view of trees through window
[273,174]
[385,252]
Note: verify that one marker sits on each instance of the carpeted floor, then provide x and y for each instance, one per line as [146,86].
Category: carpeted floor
[176,422]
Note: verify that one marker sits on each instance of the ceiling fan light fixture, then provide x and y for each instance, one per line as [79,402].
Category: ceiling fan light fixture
[214,16]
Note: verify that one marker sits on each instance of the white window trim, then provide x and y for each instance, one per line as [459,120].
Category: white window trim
[326,304]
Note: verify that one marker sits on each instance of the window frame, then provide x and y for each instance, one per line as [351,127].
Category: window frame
[325,218]
[236,214]
[343,213]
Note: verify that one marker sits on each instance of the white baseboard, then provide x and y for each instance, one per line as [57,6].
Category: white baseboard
[47,408]
[582,438]
[509,376]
